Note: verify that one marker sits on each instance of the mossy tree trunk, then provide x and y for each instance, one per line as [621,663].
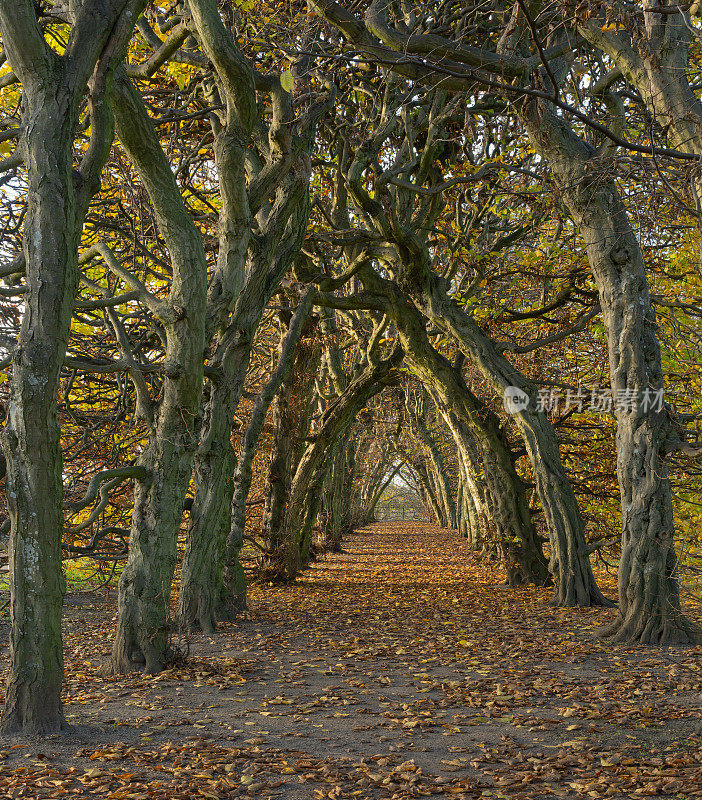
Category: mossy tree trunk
[143,622]
[57,200]
[233,578]
[291,413]
[336,495]
[649,595]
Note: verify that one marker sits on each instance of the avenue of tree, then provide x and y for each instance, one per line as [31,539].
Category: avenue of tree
[265,263]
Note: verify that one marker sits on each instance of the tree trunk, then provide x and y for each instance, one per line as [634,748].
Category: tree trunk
[291,412]
[437,489]
[514,538]
[462,523]
[203,595]
[428,494]
[649,598]
[272,564]
[275,193]
[206,582]
[435,467]
[143,622]
[206,579]
[475,510]
[31,437]
[333,515]
[57,201]
[233,589]
[201,578]
[472,524]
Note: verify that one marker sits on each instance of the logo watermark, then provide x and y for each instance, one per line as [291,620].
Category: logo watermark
[515,400]
[595,400]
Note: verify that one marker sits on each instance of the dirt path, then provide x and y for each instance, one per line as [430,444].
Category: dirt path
[399,668]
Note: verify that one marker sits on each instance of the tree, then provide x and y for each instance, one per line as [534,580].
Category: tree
[53,88]
[261,230]
[142,635]
[649,601]
[394,225]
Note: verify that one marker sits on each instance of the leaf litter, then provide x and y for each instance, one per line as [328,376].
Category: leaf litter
[399,668]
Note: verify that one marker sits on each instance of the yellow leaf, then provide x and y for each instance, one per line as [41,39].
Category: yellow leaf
[287,81]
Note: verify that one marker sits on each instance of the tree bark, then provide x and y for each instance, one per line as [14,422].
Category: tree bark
[428,494]
[57,200]
[649,592]
[649,600]
[471,527]
[143,622]
[509,530]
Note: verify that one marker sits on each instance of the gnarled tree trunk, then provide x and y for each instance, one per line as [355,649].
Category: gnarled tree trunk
[143,622]
[291,412]
[34,481]
[57,200]
[336,495]
[233,597]
[649,601]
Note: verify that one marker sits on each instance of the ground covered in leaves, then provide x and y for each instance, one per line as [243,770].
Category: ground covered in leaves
[400,668]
